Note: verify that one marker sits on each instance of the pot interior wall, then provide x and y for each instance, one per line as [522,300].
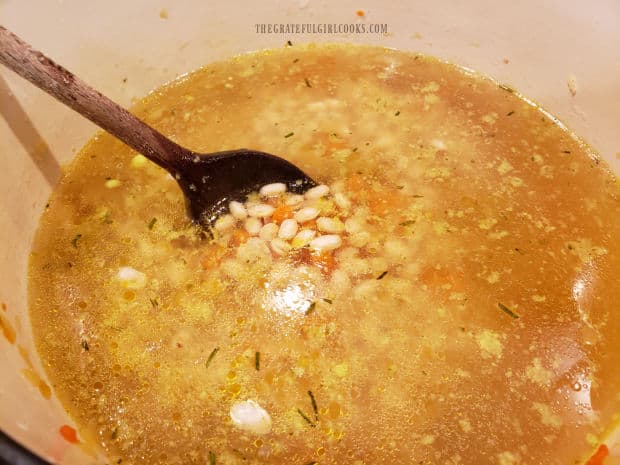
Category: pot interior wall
[127,48]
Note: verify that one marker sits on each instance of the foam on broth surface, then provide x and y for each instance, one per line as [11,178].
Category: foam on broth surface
[494,336]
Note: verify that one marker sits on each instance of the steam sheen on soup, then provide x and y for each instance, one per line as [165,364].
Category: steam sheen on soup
[465,313]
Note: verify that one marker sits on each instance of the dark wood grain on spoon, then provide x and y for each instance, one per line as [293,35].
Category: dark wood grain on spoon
[208,180]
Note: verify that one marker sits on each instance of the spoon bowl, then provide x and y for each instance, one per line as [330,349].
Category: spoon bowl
[210,181]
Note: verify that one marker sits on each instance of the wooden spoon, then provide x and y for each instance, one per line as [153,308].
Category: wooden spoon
[208,180]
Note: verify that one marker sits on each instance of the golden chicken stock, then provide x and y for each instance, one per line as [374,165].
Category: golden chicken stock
[448,295]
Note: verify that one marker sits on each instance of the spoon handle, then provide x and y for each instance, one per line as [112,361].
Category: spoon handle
[75,93]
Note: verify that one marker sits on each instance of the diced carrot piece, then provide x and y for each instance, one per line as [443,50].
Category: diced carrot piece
[240,236]
[281,213]
[324,261]
[310,225]
[599,456]
[379,206]
[68,434]
[356,183]
[212,257]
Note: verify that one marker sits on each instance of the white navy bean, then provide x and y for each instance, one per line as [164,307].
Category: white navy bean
[131,278]
[251,417]
[269,232]
[303,238]
[224,223]
[272,190]
[342,201]
[306,214]
[329,225]
[353,225]
[288,229]
[294,200]
[261,210]
[253,226]
[280,246]
[237,210]
[317,192]
[326,242]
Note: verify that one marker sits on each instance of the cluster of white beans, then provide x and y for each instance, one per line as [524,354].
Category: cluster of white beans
[255,216]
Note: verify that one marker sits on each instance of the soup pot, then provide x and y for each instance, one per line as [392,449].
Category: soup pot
[563,54]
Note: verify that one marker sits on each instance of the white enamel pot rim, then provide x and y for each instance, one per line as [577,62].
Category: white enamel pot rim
[128,48]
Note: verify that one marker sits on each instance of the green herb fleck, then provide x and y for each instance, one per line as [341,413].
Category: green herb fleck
[85,346]
[507,311]
[257,361]
[295,60]
[407,223]
[289,43]
[154,303]
[329,301]
[211,458]
[213,354]
[114,434]
[397,113]
[565,151]
[305,417]
[315,408]
[510,113]
[354,149]
[382,275]
[74,241]
[152,223]
[400,187]
[311,308]
[289,135]
[506,88]
[307,82]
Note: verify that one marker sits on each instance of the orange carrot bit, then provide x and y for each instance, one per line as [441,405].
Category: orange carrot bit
[68,434]
[240,236]
[360,13]
[356,184]
[599,456]
[324,261]
[310,225]
[212,257]
[281,213]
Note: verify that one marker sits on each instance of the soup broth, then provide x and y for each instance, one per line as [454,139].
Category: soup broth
[467,315]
